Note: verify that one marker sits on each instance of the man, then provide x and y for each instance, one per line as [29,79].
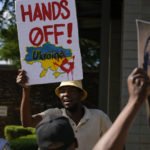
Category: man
[139,90]
[55,133]
[88,124]
[114,138]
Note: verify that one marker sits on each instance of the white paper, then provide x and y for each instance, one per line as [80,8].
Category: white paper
[48,40]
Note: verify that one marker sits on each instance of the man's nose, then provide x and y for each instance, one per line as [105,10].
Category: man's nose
[67,93]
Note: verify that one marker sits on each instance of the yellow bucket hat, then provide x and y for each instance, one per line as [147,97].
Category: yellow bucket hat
[75,83]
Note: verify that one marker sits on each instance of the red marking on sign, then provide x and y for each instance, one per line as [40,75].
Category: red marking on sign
[46,11]
[54,6]
[51,11]
[46,32]
[38,35]
[63,4]
[69,33]
[56,33]
[66,62]
[23,13]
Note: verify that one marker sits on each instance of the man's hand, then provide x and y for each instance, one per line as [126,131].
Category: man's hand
[22,78]
[138,85]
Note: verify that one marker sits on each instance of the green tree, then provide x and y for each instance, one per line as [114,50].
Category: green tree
[9,48]
[90,54]
[7,15]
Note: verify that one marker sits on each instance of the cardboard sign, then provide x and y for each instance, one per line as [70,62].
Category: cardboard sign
[48,40]
[143,33]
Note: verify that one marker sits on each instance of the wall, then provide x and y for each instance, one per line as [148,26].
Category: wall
[139,136]
[114,69]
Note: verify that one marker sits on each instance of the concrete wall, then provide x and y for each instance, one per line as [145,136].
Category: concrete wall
[139,136]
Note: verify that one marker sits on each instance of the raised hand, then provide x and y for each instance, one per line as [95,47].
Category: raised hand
[138,85]
[22,78]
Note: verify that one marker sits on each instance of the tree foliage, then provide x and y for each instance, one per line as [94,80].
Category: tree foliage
[90,54]
[9,49]
[7,15]
[9,45]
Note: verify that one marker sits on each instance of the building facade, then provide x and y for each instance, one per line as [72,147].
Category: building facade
[139,136]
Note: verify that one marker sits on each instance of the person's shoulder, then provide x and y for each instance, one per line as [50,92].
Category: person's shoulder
[51,111]
[95,111]
[54,110]
[102,116]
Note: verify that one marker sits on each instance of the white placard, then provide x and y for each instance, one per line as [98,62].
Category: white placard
[48,40]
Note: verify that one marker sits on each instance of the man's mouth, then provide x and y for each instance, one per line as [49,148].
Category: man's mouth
[66,101]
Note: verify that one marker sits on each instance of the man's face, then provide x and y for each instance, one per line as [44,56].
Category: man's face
[70,96]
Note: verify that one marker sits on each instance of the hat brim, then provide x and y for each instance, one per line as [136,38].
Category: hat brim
[84,92]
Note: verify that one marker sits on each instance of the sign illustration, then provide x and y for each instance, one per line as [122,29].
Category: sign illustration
[143,33]
[48,40]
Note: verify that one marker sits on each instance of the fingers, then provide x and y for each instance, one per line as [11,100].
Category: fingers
[138,70]
[139,84]
[20,71]
[22,78]
[138,73]
[137,77]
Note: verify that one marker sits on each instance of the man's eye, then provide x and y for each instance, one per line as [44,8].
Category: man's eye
[61,90]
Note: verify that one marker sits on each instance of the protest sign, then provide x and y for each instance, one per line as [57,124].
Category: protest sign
[143,34]
[48,40]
